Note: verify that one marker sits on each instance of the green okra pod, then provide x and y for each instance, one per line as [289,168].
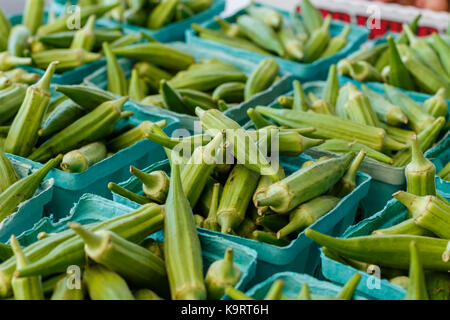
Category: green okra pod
[311,16]
[417,288]
[385,110]
[418,119]
[137,88]
[258,120]
[349,288]
[117,83]
[182,249]
[427,80]
[28,288]
[244,147]
[64,291]
[358,70]
[236,196]
[269,16]
[24,188]
[260,33]
[85,96]
[420,172]
[304,293]
[442,48]
[11,99]
[7,172]
[157,53]
[18,45]
[300,101]
[146,294]
[425,53]
[220,275]
[437,105]
[64,114]
[337,43]
[134,226]
[425,139]
[33,14]
[162,14]
[61,23]
[104,284]
[307,213]
[303,185]
[327,126]
[399,75]
[131,261]
[130,137]
[268,237]
[85,37]
[155,185]
[91,127]
[5,24]
[211,222]
[331,90]
[276,290]
[229,92]
[22,135]
[406,227]
[318,41]
[389,251]
[81,159]
[348,182]
[236,294]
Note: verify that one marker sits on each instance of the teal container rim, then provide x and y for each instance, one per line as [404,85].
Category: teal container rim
[101,169]
[293,279]
[48,224]
[187,120]
[360,34]
[363,182]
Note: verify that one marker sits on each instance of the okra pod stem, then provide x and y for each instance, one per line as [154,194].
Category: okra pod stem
[127,194]
[348,182]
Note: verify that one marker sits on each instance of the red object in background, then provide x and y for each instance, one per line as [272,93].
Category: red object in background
[385,25]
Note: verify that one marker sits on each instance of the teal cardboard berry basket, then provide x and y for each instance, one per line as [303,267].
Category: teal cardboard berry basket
[93,209]
[316,70]
[301,254]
